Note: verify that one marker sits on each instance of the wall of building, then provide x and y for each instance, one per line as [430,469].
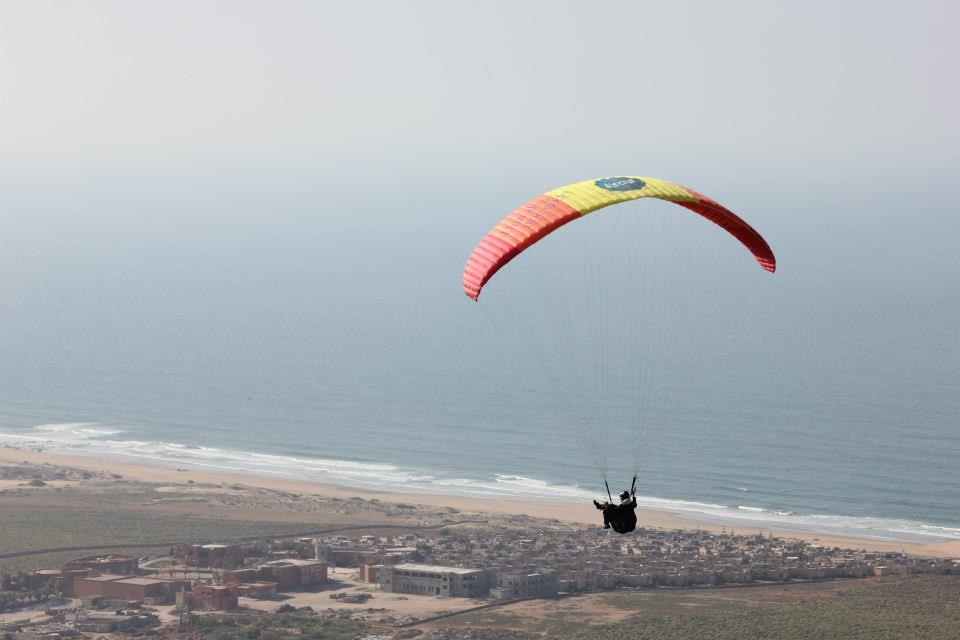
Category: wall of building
[209,597]
[240,575]
[254,589]
[521,585]
[371,572]
[126,588]
[435,580]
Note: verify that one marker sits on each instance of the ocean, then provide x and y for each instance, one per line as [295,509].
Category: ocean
[341,349]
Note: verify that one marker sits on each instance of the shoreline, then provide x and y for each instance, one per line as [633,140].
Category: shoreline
[90,439]
[561,510]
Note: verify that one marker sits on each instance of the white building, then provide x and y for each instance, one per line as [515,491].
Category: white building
[435,580]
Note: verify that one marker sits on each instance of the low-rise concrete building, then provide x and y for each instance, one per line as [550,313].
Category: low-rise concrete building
[284,573]
[293,572]
[541,584]
[340,557]
[427,579]
[254,589]
[287,574]
[371,572]
[383,557]
[311,571]
[209,597]
[36,579]
[87,586]
[127,588]
[234,576]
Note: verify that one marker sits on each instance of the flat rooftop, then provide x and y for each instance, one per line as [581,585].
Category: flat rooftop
[141,581]
[434,568]
[290,562]
[106,577]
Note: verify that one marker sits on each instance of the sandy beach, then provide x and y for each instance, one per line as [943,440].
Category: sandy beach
[558,510]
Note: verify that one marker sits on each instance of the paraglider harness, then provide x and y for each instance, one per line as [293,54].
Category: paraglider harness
[622,517]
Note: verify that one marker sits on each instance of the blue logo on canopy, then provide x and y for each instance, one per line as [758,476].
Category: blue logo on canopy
[620,184]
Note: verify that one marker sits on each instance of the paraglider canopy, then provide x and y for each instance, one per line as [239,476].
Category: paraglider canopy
[611,335]
[550,211]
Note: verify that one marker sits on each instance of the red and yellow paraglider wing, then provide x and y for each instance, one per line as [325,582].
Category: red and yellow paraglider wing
[550,211]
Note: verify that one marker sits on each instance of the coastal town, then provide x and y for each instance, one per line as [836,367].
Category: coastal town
[380,578]
[430,320]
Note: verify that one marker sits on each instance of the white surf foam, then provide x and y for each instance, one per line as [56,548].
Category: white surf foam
[98,440]
[82,430]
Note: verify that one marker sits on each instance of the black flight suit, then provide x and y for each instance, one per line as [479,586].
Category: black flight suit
[621,517]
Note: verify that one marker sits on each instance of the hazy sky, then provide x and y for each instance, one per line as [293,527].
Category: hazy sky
[157,128]
[654,88]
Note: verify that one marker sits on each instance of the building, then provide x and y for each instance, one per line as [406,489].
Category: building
[383,557]
[311,571]
[130,588]
[540,584]
[354,557]
[123,565]
[426,579]
[37,579]
[340,557]
[87,586]
[208,597]
[69,575]
[283,572]
[371,572]
[240,575]
[280,575]
[254,589]
[293,572]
